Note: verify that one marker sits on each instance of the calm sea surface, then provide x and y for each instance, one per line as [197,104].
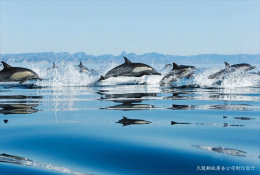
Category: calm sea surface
[129,129]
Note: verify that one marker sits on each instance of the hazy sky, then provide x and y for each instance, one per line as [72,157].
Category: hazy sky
[110,27]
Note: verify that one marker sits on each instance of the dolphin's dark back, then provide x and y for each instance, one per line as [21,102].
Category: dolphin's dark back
[178,72]
[130,69]
[8,73]
[231,68]
[119,70]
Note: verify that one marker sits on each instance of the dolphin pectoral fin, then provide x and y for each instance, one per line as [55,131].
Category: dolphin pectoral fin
[227,64]
[23,80]
[6,65]
[127,61]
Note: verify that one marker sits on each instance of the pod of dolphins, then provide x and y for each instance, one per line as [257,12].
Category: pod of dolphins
[127,69]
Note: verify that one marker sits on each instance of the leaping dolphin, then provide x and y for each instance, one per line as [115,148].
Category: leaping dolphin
[16,74]
[130,69]
[178,72]
[83,68]
[53,67]
[231,68]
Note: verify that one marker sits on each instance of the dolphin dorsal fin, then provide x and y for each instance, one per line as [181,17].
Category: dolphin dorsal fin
[227,64]
[53,65]
[125,117]
[127,61]
[6,65]
[175,66]
[80,63]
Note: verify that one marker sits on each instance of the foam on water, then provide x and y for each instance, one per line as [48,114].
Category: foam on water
[232,80]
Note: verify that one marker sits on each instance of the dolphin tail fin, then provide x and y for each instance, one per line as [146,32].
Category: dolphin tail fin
[127,61]
[175,66]
[5,65]
[227,64]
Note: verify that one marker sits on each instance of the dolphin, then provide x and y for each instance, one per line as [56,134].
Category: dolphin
[167,66]
[126,121]
[256,73]
[7,158]
[10,74]
[230,151]
[178,72]
[130,69]
[83,68]
[231,68]
[53,66]
[182,123]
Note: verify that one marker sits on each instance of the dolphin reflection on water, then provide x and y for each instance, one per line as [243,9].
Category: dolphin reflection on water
[127,97]
[182,107]
[21,105]
[129,101]
[130,106]
[18,107]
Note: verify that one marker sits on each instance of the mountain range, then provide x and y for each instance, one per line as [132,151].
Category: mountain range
[145,58]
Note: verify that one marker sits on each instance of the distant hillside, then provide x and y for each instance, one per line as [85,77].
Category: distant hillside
[145,58]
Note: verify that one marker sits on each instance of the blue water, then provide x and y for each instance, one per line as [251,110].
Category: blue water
[76,130]
[66,124]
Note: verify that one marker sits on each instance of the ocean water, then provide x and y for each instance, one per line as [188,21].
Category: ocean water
[68,124]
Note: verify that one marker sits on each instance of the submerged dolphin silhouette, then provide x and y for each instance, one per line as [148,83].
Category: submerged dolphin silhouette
[126,121]
[10,74]
[231,68]
[178,72]
[130,69]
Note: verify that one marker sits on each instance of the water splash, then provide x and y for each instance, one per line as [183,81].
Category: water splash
[232,80]
[67,75]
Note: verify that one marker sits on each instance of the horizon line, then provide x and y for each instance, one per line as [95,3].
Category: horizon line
[125,53]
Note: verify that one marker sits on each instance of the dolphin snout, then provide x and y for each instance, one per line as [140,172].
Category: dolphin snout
[156,73]
[35,76]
